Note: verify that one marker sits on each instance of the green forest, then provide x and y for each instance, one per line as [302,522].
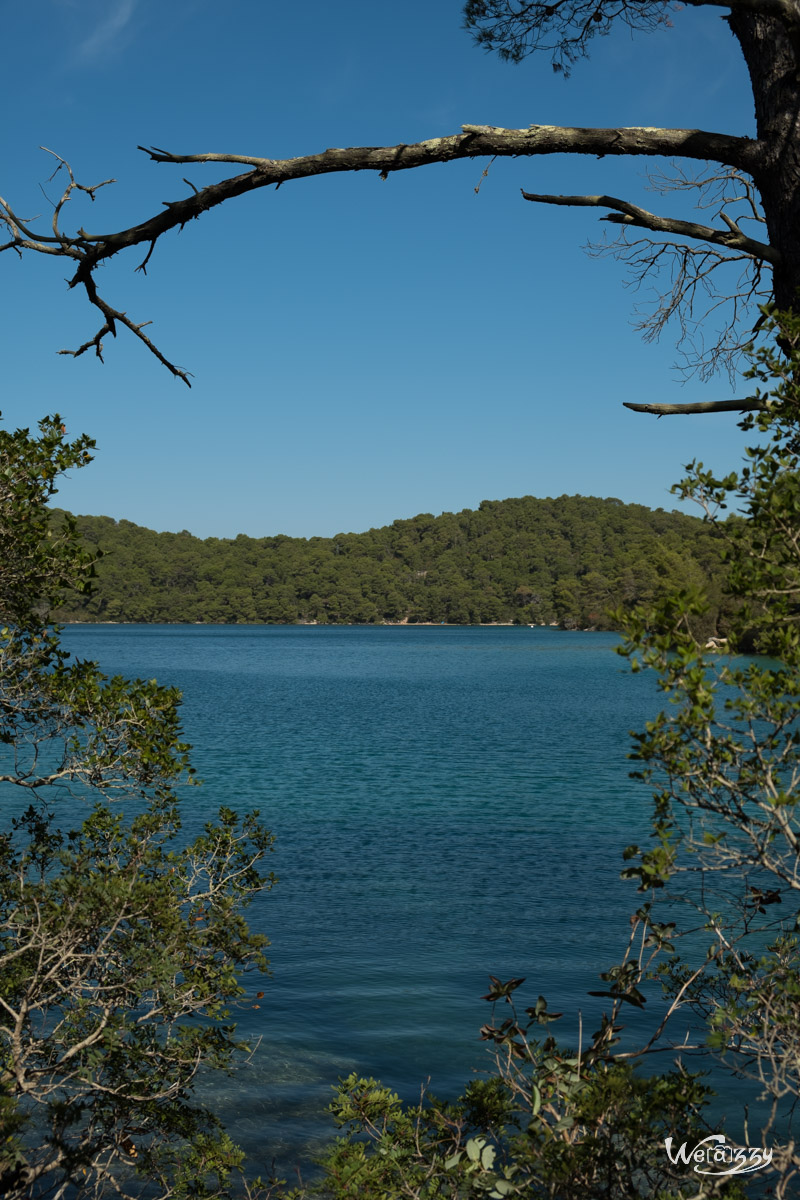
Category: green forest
[567,561]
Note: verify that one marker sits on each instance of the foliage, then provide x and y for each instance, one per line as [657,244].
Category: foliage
[548,1123]
[517,28]
[725,758]
[122,939]
[563,561]
[40,557]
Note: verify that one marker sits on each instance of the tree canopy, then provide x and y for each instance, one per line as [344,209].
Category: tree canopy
[564,561]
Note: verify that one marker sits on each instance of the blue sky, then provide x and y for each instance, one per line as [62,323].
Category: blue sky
[361,350]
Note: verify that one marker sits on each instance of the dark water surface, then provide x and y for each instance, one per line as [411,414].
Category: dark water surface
[448,802]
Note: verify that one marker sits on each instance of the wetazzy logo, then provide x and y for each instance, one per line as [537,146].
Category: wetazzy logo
[714,1155]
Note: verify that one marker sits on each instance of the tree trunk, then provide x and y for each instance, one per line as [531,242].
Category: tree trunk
[772,54]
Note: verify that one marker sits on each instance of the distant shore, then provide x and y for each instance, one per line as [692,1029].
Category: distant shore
[351,625]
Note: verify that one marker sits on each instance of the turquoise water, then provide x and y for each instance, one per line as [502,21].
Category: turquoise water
[448,802]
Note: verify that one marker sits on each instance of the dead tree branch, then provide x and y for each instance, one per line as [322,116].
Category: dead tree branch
[695,296]
[89,250]
[112,315]
[753,404]
[629,214]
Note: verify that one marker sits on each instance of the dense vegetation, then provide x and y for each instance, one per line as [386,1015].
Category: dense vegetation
[566,561]
[123,941]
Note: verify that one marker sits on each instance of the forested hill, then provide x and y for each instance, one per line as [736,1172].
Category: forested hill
[565,560]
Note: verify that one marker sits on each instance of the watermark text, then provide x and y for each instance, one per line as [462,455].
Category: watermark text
[715,1155]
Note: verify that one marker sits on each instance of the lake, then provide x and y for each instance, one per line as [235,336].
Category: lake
[448,802]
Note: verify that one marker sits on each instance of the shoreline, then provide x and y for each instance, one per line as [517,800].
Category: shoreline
[344,625]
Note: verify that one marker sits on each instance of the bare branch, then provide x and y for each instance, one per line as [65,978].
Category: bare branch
[714,314]
[631,214]
[708,406]
[89,250]
[475,141]
[143,264]
[113,315]
[716,188]
[694,293]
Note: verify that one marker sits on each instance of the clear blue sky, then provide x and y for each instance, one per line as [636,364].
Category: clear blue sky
[361,350]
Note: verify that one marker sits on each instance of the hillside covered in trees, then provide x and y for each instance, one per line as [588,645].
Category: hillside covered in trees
[565,561]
